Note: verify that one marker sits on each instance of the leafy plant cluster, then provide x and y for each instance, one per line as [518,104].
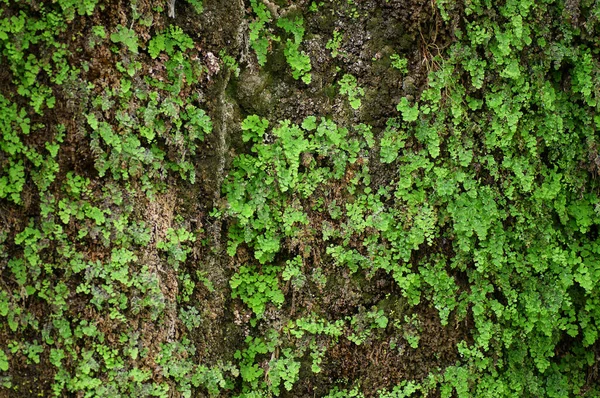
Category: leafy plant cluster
[334,43]
[197,5]
[33,53]
[266,191]
[21,159]
[159,131]
[78,276]
[349,86]
[278,194]
[484,204]
[262,37]
[490,211]
[273,361]
[399,63]
[525,231]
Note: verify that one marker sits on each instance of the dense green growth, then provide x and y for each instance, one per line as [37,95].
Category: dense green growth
[85,247]
[479,198]
[492,214]
[262,39]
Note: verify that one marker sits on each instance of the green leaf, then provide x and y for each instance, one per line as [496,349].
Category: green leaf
[254,128]
[127,37]
[92,121]
[349,85]
[310,123]
[3,361]
[409,114]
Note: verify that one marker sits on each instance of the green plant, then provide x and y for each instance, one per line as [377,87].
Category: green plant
[190,317]
[392,141]
[99,31]
[13,129]
[99,34]
[261,39]
[298,60]
[349,86]
[69,7]
[257,289]
[334,43]
[168,42]
[205,281]
[293,272]
[230,62]
[249,369]
[176,245]
[337,393]
[196,5]
[4,364]
[314,6]
[352,9]
[409,113]
[483,187]
[399,63]
[364,323]
[403,390]
[411,330]
[283,369]
[127,37]
[486,207]
[259,36]
[84,241]
[155,123]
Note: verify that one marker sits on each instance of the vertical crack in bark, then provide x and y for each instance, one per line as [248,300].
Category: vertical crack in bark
[224,117]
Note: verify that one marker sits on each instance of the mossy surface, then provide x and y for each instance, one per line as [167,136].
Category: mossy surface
[334,198]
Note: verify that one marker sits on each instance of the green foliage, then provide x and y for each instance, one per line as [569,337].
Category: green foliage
[283,369]
[293,272]
[409,113]
[257,289]
[181,66]
[334,43]
[484,205]
[399,63]
[196,5]
[259,187]
[99,31]
[254,128]
[349,86]
[30,49]
[168,41]
[249,370]
[337,393]
[81,254]
[411,330]
[298,61]
[69,7]
[230,62]
[127,37]
[176,245]
[161,134]
[403,390]
[490,183]
[260,38]
[314,6]
[4,366]
[498,223]
[364,323]
[392,141]
[14,127]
